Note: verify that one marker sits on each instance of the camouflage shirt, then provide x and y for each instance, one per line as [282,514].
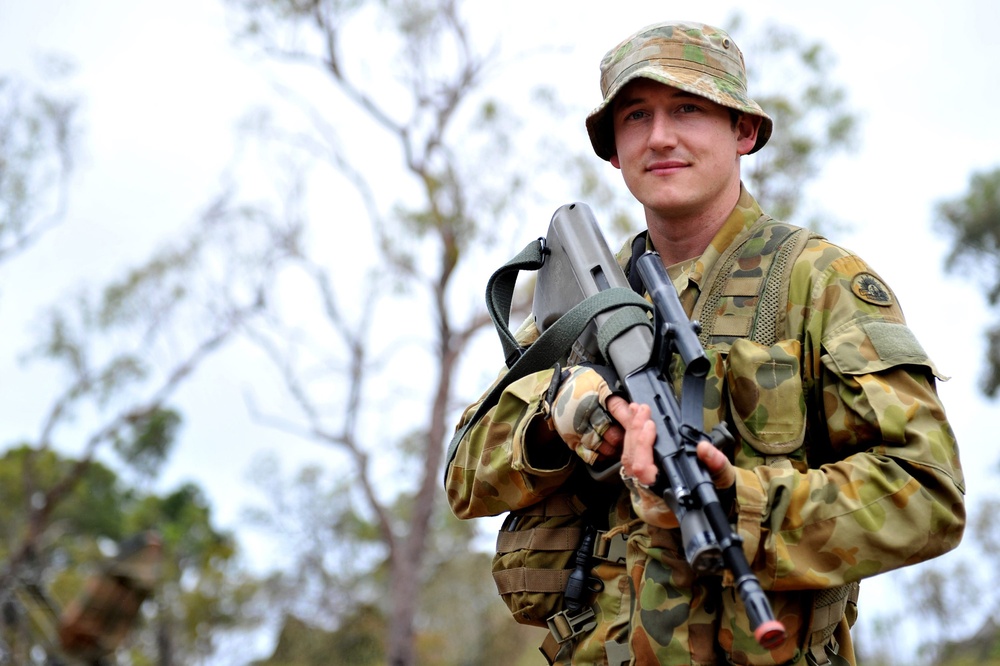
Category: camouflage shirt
[846,466]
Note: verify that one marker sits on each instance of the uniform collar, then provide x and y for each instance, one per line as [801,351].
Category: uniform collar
[687,275]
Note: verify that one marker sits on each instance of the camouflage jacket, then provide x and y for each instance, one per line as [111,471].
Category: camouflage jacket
[846,466]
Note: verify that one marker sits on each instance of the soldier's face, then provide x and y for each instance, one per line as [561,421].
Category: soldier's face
[678,152]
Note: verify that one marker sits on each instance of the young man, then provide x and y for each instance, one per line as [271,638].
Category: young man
[844,464]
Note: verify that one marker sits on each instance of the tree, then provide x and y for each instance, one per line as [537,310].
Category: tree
[124,354]
[37,141]
[198,593]
[121,352]
[972,221]
[204,591]
[333,572]
[126,351]
[428,221]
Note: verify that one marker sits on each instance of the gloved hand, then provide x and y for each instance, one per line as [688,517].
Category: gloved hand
[576,408]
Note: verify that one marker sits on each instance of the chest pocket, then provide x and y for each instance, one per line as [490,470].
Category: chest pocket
[757,390]
[766,400]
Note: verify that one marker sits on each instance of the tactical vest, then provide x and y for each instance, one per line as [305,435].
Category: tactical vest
[538,548]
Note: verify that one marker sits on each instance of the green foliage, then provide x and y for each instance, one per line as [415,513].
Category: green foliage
[972,221]
[92,507]
[201,593]
[148,439]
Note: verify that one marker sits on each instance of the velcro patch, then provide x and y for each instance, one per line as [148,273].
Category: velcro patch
[894,343]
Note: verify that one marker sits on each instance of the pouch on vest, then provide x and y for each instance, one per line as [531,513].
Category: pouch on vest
[766,397]
[534,557]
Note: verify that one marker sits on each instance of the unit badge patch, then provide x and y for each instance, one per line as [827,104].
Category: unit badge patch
[869,288]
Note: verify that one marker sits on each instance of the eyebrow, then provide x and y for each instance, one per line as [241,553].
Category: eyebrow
[632,100]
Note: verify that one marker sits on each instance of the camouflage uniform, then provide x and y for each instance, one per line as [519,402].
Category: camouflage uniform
[846,465]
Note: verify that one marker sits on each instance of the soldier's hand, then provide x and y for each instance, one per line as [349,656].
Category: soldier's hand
[576,407]
[640,435]
[639,472]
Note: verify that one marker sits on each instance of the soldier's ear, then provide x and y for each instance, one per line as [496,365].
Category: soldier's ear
[747,127]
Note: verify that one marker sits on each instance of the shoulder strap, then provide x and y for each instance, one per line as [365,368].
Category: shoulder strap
[638,248]
[747,289]
[500,293]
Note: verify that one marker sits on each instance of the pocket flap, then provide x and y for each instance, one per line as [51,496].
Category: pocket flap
[765,394]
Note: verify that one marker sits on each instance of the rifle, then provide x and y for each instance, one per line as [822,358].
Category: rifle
[579,265]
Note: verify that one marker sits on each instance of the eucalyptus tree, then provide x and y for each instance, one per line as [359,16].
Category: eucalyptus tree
[418,181]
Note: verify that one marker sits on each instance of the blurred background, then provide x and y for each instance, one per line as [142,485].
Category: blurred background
[243,248]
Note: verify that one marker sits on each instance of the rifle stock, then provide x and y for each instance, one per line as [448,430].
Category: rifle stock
[579,264]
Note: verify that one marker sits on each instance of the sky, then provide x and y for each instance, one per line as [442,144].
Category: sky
[163,87]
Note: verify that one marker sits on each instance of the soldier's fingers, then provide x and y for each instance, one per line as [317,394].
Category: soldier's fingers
[614,436]
[637,451]
[718,465]
[618,407]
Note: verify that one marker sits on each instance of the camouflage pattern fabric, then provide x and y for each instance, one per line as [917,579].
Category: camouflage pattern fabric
[577,411]
[694,57]
[853,472]
[648,506]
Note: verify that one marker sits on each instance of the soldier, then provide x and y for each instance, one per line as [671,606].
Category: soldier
[844,464]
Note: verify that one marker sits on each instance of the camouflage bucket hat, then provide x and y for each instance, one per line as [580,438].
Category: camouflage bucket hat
[693,57]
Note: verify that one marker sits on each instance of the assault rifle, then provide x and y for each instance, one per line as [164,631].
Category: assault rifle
[577,265]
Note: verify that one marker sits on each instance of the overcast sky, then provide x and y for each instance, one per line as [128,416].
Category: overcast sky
[162,88]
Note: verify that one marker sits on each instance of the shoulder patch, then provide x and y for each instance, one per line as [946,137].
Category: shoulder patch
[870,289]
